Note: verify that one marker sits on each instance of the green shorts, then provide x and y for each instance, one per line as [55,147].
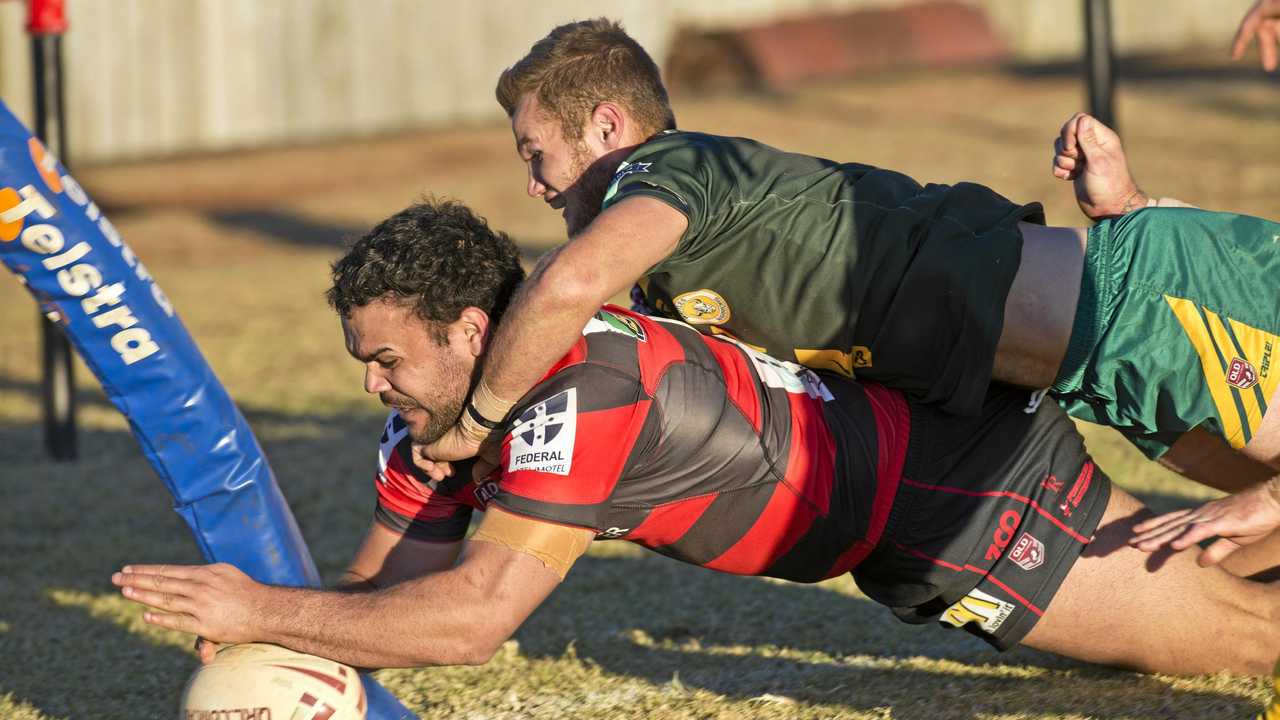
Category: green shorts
[1177,326]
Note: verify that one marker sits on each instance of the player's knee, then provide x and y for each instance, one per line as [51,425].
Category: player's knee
[1257,655]
[1265,448]
[1256,643]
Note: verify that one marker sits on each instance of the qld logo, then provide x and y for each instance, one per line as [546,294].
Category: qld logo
[1241,374]
[1028,552]
[542,439]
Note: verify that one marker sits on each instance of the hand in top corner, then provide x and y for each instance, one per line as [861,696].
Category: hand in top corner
[1263,22]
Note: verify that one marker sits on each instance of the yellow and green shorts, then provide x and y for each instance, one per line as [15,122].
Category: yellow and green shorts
[1177,326]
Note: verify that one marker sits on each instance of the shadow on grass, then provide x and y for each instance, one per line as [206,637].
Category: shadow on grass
[289,227]
[743,638]
[65,528]
[294,229]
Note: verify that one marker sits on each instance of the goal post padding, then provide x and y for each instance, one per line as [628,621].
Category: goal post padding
[83,275]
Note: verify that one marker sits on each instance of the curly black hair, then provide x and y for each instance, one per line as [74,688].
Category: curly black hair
[437,255]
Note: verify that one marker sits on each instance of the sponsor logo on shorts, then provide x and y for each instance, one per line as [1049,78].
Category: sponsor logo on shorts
[702,307]
[1028,552]
[1078,489]
[542,439]
[1003,534]
[986,611]
[612,533]
[1051,484]
[1241,374]
[1266,359]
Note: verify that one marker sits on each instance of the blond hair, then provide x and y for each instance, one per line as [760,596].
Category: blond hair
[579,65]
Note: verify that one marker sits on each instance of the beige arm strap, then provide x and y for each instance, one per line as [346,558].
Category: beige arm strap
[555,546]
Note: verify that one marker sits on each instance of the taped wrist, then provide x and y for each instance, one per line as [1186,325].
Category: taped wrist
[484,412]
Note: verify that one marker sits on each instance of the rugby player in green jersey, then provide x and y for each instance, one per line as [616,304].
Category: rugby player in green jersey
[1156,322]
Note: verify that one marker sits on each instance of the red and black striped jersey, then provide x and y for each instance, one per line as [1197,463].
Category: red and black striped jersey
[696,447]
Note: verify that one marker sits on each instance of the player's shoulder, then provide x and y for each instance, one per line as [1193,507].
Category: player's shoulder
[615,359]
[608,352]
[613,327]
[676,143]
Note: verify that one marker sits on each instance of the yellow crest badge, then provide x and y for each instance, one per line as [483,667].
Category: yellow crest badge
[702,307]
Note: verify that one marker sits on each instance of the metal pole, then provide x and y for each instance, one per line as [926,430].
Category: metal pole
[1100,60]
[46,23]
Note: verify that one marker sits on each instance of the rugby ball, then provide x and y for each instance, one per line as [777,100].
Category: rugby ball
[268,682]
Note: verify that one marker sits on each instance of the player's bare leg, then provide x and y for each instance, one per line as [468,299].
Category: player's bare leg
[1207,459]
[1158,613]
[1265,445]
[1040,310]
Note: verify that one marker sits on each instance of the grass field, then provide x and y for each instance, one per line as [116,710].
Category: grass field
[241,243]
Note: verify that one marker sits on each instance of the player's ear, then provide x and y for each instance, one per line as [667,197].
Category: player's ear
[474,325]
[607,126]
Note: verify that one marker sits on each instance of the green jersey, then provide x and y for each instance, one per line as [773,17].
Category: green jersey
[838,266]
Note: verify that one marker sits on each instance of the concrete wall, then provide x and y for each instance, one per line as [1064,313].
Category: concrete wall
[155,77]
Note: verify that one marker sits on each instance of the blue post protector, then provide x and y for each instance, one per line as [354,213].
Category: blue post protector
[85,278]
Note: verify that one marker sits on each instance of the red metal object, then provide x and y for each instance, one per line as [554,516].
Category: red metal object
[46,17]
[930,34]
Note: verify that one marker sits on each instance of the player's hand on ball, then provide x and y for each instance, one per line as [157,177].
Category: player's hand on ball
[206,649]
[217,602]
[1090,155]
[1237,520]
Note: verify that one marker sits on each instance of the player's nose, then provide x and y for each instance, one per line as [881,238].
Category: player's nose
[374,383]
[535,188]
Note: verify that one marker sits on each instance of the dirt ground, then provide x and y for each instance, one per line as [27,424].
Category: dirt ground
[241,243]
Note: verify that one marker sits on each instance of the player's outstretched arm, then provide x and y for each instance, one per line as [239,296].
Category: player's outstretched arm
[1236,520]
[385,558]
[460,616]
[1261,22]
[548,312]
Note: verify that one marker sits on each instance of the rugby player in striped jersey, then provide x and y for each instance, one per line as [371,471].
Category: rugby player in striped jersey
[706,451]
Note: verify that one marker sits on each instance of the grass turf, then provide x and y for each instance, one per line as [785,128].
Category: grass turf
[241,244]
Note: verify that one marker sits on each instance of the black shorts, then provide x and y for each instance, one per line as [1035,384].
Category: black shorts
[991,513]
[932,324]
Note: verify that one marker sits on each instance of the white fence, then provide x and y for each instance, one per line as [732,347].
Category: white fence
[157,77]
